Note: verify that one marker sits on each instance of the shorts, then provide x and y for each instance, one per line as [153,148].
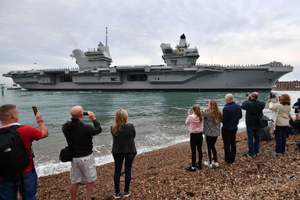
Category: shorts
[83,167]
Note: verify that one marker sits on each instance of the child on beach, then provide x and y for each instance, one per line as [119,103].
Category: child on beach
[195,120]
[212,124]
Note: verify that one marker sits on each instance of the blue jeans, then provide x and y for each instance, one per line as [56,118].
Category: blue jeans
[8,190]
[118,167]
[280,138]
[253,133]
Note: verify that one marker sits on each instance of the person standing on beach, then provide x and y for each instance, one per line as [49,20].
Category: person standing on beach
[195,120]
[296,106]
[123,147]
[254,110]
[212,125]
[232,113]
[9,186]
[79,137]
[283,107]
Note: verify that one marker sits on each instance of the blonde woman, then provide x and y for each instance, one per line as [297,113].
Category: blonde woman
[212,124]
[195,120]
[283,106]
[123,134]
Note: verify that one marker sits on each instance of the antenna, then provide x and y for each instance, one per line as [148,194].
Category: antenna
[106,38]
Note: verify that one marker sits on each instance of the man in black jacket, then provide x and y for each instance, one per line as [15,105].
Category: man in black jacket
[232,113]
[254,111]
[79,137]
[296,106]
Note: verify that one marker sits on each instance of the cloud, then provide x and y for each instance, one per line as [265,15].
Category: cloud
[239,32]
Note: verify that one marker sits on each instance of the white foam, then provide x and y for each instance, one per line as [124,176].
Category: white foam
[152,142]
[50,167]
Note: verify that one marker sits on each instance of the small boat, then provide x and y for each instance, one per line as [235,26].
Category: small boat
[14,87]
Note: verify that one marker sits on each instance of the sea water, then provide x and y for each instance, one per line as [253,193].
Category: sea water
[158,118]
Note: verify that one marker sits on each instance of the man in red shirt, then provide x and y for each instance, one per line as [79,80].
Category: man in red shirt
[9,117]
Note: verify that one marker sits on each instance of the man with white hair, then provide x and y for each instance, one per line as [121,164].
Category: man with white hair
[232,113]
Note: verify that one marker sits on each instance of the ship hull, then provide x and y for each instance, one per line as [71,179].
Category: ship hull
[164,78]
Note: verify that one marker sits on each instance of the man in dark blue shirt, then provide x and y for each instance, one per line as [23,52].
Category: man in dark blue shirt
[232,113]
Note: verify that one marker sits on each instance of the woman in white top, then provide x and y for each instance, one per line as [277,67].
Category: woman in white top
[282,122]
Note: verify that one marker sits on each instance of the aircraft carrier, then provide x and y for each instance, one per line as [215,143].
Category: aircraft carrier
[180,72]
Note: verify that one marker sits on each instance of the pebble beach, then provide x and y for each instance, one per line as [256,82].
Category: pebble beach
[160,174]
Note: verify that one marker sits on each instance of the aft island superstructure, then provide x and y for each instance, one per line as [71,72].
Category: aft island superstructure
[180,72]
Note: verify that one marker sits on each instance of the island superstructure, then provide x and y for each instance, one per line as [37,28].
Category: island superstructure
[180,72]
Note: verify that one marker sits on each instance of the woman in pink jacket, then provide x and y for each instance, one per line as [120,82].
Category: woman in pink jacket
[195,120]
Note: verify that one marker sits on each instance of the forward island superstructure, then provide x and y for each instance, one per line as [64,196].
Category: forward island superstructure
[180,72]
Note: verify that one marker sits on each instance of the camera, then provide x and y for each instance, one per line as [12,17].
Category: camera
[272,96]
[248,94]
[85,113]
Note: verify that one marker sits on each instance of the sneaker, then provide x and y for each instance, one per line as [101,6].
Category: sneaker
[127,194]
[247,155]
[207,164]
[199,166]
[190,169]
[117,195]
[215,164]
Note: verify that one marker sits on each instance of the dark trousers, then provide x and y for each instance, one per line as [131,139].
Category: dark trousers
[280,138]
[118,167]
[229,137]
[210,142]
[196,140]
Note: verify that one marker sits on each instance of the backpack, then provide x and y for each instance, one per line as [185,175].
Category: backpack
[13,154]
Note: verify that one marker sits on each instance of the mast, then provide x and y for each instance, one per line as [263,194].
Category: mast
[106,38]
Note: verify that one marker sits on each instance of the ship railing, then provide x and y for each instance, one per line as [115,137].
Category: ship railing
[246,66]
[137,65]
[39,70]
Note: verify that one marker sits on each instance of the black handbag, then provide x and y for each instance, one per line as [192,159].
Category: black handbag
[66,154]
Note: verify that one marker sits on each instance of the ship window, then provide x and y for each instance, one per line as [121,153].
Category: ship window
[137,77]
[114,78]
[65,79]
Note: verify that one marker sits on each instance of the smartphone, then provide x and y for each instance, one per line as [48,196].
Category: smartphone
[35,110]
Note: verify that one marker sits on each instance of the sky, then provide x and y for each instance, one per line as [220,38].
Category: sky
[37,34]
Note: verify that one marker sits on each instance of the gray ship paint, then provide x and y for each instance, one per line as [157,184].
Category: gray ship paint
[180,72]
